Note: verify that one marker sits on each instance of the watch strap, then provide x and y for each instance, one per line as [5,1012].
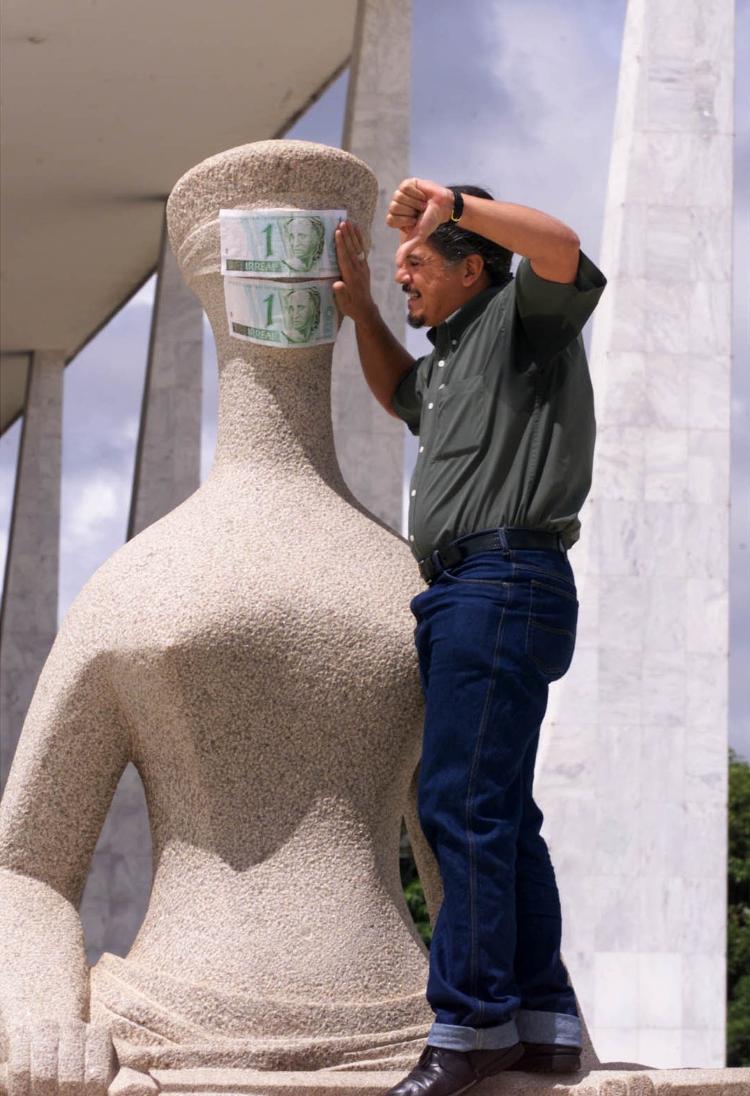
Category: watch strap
[458,203]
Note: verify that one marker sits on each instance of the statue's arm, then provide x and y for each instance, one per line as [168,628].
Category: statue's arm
[427,866]
[72,750]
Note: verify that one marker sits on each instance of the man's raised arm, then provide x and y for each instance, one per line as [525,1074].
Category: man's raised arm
[419,206]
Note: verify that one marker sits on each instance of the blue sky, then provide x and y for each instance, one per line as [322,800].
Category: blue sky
[516,95]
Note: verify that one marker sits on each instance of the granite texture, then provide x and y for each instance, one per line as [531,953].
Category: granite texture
[167,471]
[251,654]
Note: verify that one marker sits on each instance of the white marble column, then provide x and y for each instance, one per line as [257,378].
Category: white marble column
[633,768]
[369,441]
[167,471]
[169,442]
[28,617]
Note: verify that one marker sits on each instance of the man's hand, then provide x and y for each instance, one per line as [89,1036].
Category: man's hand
[417,208]
[352,293]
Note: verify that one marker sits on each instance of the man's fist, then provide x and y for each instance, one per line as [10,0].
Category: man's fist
[417,208]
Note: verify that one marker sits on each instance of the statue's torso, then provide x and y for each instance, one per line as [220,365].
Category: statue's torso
[266,667]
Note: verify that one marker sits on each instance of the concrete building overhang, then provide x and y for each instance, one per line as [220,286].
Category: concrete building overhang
[105,105]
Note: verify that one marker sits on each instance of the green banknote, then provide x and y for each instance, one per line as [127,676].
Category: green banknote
[282,314]
[279,243]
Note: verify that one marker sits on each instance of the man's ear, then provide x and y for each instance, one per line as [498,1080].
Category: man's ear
[473,269]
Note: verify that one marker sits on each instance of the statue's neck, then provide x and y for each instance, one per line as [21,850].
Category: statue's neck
[274,418]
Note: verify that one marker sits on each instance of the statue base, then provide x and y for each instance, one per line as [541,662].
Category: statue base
[614,1079]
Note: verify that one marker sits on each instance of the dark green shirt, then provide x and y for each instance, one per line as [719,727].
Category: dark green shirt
[504,410]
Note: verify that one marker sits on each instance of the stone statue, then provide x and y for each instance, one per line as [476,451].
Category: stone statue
[251,652]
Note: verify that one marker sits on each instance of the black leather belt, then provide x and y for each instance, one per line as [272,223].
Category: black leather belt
[488,539]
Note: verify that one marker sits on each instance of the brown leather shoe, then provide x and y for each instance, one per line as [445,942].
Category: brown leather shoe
[443,1072]
[549,1058]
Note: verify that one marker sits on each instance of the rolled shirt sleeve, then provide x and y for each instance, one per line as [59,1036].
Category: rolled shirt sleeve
[407,399]
[554,313]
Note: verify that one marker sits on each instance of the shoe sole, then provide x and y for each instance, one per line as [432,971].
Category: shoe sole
[551,1063]
[507,1063]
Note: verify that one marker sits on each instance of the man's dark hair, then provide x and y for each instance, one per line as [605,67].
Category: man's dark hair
[455,243]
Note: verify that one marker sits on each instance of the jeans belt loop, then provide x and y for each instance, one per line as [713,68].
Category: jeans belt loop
[502,540]
[436,562]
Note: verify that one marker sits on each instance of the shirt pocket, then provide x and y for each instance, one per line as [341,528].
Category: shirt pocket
[461,417]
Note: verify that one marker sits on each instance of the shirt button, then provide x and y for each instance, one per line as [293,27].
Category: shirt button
[413,493]
[441,386]
[430,406]
[453,342]
[441,363]
[421,449]
[411,536]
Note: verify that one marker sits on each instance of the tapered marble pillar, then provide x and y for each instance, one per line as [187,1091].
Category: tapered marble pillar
[369,441]
[167,471]
[633,767]
[28,617]
[169,450]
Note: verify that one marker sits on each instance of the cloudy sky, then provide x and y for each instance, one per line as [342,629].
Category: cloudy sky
[516,95]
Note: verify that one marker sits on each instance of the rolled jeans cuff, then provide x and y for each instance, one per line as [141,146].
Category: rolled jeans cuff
[461,1037]
[560,1028]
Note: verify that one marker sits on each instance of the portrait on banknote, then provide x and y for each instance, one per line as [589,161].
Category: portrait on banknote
[303,239]
[301,310]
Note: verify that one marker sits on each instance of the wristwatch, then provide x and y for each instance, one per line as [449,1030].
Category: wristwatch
[458,203]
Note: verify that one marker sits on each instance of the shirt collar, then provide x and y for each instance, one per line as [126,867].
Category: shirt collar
[454,325]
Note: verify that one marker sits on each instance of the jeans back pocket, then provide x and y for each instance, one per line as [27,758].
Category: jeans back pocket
[551,632]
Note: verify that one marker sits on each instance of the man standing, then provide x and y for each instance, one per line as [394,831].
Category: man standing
[503,407]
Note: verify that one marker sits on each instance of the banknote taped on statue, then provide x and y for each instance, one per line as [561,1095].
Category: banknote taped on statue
[285,314]
[285,243]
[263,254]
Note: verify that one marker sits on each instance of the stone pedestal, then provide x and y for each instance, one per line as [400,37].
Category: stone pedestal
[603,1082]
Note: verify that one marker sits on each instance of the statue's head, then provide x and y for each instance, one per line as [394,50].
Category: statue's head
[296,175]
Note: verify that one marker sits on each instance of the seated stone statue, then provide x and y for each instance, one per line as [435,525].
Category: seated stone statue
[251,653]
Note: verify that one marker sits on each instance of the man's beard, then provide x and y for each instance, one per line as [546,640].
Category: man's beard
[415,321]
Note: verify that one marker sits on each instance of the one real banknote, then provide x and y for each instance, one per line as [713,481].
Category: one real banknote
[279,243]
[281,314]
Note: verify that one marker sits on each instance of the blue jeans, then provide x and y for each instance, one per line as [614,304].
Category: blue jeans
[492,632]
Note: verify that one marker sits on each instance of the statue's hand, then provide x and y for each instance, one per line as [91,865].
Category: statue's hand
[59,1058]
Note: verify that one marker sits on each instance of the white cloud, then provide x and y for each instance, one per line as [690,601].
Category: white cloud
[96,502]
[534,118]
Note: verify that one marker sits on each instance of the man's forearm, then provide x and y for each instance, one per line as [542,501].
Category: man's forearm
[551,246]
[384,360]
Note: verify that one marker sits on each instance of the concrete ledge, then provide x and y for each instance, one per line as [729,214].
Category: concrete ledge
[604,1082]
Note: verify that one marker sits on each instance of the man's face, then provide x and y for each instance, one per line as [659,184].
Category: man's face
[434,287]
[300,237]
